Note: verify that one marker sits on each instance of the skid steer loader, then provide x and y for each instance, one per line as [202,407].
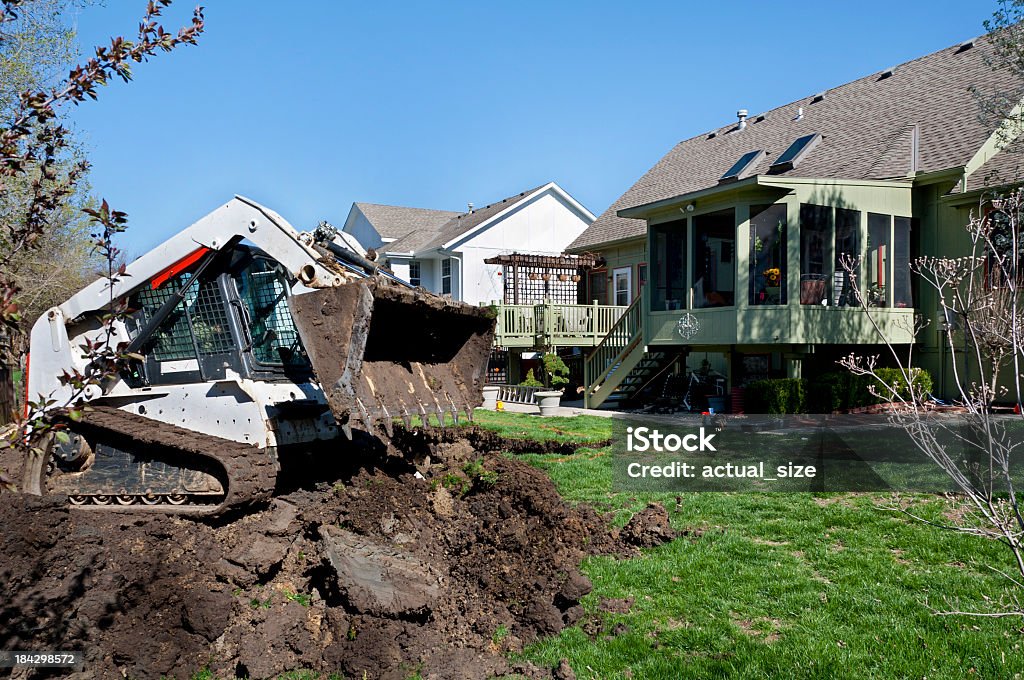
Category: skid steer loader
[249,341]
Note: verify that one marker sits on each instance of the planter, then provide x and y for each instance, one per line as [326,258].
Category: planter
[548,402]
[490,397]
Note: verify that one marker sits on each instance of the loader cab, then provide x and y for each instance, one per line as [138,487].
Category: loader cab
[232,317]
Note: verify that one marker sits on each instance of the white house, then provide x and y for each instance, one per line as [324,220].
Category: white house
[445,251]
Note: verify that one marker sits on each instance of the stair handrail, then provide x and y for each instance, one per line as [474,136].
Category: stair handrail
[621,337]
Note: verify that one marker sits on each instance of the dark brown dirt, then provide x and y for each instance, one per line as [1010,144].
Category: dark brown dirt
[434,365]
[367,571]
[648,528]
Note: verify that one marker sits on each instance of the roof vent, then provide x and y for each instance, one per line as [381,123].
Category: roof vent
[795,153]
[742,115]
[799,113]
[817,98]
[712,135]
[761,118]
[469,207]
[965,45]
[887,73]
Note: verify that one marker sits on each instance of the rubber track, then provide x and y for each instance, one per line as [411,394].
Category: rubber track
[251,473]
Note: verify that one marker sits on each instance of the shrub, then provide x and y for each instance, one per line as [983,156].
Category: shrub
[841,391]
[782,395]
[827,392]
[531,380]
[921,379]
[556,370]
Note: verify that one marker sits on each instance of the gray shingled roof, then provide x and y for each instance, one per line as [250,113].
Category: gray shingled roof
[866,127]
[1006,167]
[429,238]
[393,221]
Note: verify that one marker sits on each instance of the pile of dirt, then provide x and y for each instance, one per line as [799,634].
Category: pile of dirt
[375,569]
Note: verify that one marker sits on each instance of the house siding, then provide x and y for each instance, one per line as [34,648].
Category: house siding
[541,225]
[630,254]
[360,227]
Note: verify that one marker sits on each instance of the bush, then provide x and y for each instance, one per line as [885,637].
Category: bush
[783,395]
[531,380]
[556,370]
[841,391]
[827,392]
[921,379]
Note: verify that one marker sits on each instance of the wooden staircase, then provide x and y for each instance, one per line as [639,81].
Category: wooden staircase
[620,366]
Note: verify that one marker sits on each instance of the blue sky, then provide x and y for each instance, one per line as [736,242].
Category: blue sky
[309,106]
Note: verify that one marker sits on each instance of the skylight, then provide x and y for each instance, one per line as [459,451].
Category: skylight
[746,162]
[795,153]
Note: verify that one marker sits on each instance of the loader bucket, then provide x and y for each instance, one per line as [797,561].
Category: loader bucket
[382,352]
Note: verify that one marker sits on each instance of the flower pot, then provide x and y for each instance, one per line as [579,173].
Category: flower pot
[490,397]
[548,402]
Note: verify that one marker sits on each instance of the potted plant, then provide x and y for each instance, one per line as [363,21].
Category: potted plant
[556,376]
[876,295]
[490,397]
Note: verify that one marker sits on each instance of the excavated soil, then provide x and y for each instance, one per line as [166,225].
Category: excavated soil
[381,568]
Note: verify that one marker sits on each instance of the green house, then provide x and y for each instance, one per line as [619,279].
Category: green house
[731,249]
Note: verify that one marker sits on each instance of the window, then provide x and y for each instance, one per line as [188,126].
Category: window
[264,289]
[768,254]
[901,293]
[446,276]
[641,276]
[1000,264]
[597,283]
[198,322]
[742,166]
[668,259]
[714,270]
[795,153]
[879,227]
[414,273]
[815,234]
[847,255]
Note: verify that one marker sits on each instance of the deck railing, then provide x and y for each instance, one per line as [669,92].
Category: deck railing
[518,394]
[555,325]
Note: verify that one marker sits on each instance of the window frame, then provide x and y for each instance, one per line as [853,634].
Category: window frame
[446,278]
[628,271]
[417,279]
[757,296]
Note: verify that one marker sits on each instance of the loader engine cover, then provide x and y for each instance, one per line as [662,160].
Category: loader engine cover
[382,352]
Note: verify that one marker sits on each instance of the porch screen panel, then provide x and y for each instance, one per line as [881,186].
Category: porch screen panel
[847,256]
[668,266]
[901,291]
[878,285]
[815,234]
[768,254]
[714,261]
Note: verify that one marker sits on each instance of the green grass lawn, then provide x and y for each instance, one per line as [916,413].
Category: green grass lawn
[777,585]
[523,426]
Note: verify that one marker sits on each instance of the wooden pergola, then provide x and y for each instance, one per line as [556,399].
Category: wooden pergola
[533,279]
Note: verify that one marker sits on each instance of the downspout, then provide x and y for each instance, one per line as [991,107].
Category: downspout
[462,297]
